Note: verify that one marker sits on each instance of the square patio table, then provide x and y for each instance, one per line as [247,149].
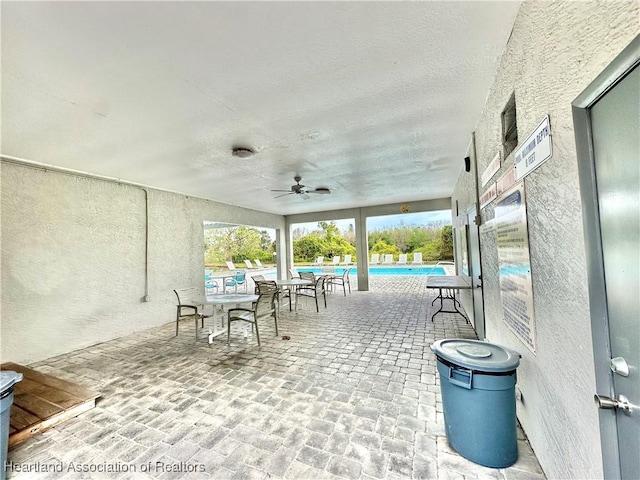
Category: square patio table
[293,282]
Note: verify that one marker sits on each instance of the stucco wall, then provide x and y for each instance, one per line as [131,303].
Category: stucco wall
[465,196]
[555,51]
[73,258]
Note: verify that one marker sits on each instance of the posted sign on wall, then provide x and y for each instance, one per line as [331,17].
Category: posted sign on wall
[535,150]
[516,289]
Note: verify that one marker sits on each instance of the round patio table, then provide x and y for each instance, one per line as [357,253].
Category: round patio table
[222,299]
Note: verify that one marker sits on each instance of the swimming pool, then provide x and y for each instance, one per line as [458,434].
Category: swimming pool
[391,270]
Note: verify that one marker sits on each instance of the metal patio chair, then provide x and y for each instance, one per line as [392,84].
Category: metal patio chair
[342,280]
[185,310]
[262,309]
[317,288]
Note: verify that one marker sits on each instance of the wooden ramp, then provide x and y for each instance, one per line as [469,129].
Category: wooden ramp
[41,401]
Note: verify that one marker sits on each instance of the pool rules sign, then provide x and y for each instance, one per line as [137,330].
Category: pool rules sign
[512,240]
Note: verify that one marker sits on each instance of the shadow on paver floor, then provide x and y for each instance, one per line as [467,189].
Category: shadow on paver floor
[354,393]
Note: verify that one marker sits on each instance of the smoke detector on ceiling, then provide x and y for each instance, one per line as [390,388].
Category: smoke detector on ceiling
[242,152]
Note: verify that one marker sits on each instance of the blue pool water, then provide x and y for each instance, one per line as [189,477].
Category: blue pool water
[408,270]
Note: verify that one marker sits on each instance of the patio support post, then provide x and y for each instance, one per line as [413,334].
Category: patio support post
[362,251]
[286,248]
[282,247]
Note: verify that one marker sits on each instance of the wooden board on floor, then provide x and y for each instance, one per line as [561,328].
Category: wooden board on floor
[41,401]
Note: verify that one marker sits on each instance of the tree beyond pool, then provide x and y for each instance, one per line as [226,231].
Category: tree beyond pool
[239,243]
[435,242]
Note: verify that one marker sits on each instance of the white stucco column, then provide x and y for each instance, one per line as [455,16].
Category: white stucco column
[281,249]
[362,251]
[286,250]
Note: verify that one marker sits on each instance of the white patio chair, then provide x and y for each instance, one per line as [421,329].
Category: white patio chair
[402,259]
[319,261]
[417,258]
[375,259]
[388,259]
[347,260]
[249,265]
[336,260]
[231,266]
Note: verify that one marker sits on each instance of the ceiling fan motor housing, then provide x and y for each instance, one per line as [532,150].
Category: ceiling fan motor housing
[301,190]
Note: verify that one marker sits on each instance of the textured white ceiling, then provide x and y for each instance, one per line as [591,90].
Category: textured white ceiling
[374,100]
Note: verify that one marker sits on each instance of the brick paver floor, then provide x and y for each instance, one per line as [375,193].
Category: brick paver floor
[353,393]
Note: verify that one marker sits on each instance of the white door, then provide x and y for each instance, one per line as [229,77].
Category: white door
[612,231]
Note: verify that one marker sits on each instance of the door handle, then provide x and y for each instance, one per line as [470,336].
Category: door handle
[608,403]
[620,366]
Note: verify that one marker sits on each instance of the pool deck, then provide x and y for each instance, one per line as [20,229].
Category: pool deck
[390,269]
[354,393]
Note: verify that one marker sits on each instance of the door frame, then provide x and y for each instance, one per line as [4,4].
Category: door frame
[626,61]
[473,248]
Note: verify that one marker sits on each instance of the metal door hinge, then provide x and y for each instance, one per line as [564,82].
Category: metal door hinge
[619,366]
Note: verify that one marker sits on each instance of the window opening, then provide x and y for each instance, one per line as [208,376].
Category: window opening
[231,247]
[509,126]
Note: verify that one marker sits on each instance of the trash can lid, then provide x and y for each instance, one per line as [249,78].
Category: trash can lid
[477,355]
[8,378]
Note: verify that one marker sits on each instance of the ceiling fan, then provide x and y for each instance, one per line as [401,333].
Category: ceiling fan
[301,190]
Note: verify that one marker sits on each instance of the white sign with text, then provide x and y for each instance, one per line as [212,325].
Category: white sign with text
[516,289]
[491,169]
[506,181]
[535,150]
[488,196]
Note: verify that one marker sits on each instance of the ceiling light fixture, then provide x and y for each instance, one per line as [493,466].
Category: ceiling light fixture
[242,152]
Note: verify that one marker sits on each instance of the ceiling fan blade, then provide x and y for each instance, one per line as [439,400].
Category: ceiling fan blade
[300,189]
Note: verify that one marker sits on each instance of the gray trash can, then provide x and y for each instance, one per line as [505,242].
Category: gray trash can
[8,379]
[477,382]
